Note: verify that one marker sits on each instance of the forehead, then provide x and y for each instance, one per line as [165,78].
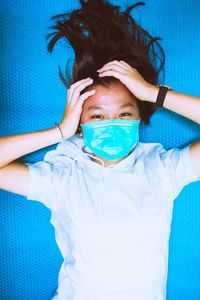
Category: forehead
[115,94]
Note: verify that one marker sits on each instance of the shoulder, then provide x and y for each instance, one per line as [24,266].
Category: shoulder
[156,155]
[158,151]
[151,149]
[176,162]
[65,152]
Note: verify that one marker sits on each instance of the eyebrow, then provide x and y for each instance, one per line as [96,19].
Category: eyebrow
[127,105]
[100,108]
[94,107]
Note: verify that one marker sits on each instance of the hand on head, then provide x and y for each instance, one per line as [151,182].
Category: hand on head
[73,109]
[130,77]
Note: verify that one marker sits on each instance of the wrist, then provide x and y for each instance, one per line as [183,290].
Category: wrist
[152,93]
[61,133]
[65,133]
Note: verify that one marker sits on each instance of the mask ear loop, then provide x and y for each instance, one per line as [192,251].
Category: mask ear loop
[96,158]
[93,157]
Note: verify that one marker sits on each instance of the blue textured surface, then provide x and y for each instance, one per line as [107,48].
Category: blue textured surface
[33,98]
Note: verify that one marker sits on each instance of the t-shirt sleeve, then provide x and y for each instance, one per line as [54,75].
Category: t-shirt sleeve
[179,170]
[44,183]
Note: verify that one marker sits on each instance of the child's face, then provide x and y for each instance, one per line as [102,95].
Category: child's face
[114,102]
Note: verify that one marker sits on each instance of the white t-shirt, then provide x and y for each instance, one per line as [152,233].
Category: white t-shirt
[112,224]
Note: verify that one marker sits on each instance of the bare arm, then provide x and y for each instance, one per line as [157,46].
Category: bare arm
[15,146]
[189,107]
[185,105]
[14,176]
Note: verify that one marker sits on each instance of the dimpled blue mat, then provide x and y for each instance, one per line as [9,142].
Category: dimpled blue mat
[33,98]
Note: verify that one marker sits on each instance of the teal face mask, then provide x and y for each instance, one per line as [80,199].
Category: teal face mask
[111,139]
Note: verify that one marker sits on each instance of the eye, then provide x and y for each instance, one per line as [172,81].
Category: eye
[97,117]
[125,115]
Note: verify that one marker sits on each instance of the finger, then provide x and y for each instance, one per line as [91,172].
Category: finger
[77,90]
[125,64]
[115,63]
[112,62]
[116,74]
[68,94]
[114,68]
[120,68]
[76,84]
[84,97]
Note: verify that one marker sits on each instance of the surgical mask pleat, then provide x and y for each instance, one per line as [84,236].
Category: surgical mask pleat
[111,139]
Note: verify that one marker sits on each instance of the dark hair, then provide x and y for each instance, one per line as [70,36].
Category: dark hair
[99,33]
